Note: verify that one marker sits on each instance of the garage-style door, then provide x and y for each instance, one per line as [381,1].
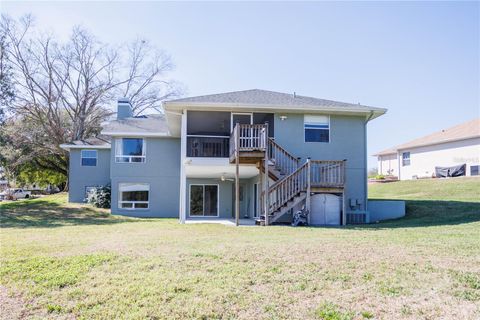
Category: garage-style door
[325,209]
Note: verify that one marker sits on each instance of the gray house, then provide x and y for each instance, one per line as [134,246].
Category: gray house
[251,154]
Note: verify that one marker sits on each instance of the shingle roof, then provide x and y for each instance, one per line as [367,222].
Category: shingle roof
[467,130]
[100,142]
[257,97]
[153,124]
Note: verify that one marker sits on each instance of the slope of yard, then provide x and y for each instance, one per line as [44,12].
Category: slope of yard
[66,261]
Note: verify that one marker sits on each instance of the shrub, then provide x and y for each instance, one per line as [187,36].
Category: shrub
[380,177]
[100,197]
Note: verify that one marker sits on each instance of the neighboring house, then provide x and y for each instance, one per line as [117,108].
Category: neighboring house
[206,152]
[458,145]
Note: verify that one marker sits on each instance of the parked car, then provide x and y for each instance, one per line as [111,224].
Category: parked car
[15,194]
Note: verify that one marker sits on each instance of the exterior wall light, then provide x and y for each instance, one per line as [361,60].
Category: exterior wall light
[283,118]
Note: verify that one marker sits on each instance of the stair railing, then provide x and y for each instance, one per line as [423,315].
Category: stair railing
[283,159]
[287,188]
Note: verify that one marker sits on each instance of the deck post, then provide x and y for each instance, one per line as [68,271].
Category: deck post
[265,182]
[344,193]
[309,188]
[237,175]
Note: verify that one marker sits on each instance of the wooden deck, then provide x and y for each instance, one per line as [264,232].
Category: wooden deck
[294,182]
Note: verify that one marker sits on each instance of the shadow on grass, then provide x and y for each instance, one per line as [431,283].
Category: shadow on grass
[47,214]
[425,213]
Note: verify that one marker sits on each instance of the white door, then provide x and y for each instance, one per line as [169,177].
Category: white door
[325,209]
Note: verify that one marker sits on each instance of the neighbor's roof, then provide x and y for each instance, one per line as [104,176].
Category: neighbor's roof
[263,99]
[99,142]
[467,130]
[153,125]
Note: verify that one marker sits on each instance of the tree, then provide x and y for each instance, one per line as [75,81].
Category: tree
[6,85]
[63,90]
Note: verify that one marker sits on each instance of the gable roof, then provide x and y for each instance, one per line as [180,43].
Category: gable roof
[153,125]
[263,99]
[98,142]
[466,130]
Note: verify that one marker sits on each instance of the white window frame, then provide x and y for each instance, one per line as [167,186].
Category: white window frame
[240,114]
[82,157]
[118,157]
[120,201]
[329,129]
[190,196]
[404,160]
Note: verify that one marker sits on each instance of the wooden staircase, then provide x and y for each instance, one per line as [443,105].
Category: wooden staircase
[293,182]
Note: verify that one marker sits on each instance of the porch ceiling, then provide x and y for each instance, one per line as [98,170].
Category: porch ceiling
[205,170]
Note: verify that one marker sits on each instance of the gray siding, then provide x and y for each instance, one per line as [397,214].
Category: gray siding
[347,141]
[161,170]
[81,177]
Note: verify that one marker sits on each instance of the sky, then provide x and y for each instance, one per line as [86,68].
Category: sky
[420,60]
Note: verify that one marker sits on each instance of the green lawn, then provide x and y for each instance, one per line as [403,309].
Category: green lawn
[65,261]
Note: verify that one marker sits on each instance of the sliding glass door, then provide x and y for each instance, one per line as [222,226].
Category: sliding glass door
[204,200]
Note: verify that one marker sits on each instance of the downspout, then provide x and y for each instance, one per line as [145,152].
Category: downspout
[367,214]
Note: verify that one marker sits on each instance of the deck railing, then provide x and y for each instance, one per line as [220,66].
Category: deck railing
[207,146]
[327,173]
[248,137]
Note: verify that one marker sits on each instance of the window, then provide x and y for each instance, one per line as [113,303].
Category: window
[130,150]
[133,196]
[474,170]
[405,159]
[317,128]
[89,158]
[204,200]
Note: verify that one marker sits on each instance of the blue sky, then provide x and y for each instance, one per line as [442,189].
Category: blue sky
[420,60]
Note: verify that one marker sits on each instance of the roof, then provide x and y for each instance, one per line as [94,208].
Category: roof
[467,130]
[153,125]
[99,142]
[257,98]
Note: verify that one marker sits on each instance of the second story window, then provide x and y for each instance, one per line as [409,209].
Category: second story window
[88,158]
[130,150]
[317,128]
[406,159]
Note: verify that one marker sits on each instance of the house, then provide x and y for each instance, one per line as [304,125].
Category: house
[458,146]
[217,156]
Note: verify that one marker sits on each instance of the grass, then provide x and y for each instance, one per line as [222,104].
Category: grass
[60,260]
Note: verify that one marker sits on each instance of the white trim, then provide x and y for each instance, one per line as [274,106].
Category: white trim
[239,113]
[190,194]
[119,202]
[75,146]
[183,178]
[329,131]
[128,134]
[82,157]
[292,109]
[143,156]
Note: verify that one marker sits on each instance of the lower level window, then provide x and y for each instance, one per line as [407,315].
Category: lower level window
[133,195]
[405,159]
[204,200]
[474,170]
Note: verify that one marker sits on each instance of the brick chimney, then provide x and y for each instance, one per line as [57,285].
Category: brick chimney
[124,108]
